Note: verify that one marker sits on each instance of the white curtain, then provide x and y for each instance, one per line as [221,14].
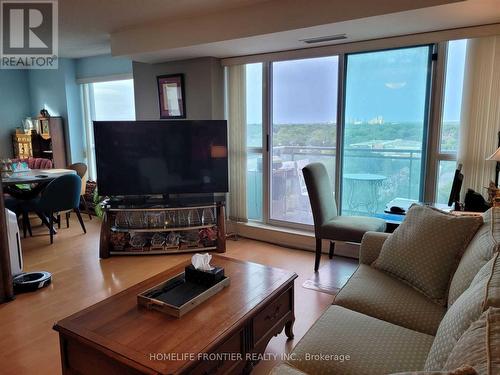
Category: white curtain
[236,116]
[480,117]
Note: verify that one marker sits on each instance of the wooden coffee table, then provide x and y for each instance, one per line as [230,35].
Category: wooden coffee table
[225,334]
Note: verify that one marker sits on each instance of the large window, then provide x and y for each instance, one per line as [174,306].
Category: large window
[385,124]
[389,142]
[450,122]
[114,100]
[105,101]
[253,94]
[304,116]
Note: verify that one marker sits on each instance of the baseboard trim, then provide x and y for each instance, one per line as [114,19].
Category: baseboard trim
[291,238]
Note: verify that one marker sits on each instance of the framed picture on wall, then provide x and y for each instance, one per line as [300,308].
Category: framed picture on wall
[171,96]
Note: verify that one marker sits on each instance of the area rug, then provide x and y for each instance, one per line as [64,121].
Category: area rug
[332,275]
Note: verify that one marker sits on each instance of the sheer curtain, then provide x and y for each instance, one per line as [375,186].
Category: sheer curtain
[480,117]
[236,116]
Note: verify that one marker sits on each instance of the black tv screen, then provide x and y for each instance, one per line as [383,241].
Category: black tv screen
[161,157]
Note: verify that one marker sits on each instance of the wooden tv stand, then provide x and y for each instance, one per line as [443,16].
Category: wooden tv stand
[162,229]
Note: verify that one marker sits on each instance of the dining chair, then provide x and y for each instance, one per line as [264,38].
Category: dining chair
[81,171]
[61,194]
[328,224]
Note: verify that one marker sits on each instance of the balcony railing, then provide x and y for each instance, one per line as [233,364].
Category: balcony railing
[398,170]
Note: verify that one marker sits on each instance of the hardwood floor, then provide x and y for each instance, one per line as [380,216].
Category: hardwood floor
[28,345]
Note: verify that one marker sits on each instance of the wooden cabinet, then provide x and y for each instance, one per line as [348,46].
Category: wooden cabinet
[56,149]
[47,142]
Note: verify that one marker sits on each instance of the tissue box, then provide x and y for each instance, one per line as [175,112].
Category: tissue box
[204,277]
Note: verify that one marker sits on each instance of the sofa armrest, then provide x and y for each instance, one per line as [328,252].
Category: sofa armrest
[371,244]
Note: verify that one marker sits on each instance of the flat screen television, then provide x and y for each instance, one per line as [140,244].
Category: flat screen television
[456,186]
[161,157]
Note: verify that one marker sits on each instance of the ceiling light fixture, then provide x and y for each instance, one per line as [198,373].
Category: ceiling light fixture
[321,39]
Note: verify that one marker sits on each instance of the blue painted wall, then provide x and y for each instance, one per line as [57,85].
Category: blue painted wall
[14,106]
[47,89]
[100,66]
[57,91]
[23,93]
[74,113]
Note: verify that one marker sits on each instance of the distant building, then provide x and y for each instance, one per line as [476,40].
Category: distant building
[379,120]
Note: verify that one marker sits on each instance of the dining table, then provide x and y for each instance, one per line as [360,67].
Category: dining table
[37,179]
[35,176]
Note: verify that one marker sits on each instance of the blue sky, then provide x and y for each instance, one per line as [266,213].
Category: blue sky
[390,84]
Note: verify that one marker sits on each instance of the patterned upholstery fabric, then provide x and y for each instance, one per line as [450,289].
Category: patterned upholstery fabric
[479,346]
[371,244]
[375,293]
[373,346]
[480,250]
[284,369]
[466,309]
[425,249]
[464,370]
[492,298]
[36,163]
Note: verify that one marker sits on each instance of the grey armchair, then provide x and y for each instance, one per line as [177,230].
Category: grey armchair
[327,223]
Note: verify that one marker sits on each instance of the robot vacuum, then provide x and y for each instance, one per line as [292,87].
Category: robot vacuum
[31,281]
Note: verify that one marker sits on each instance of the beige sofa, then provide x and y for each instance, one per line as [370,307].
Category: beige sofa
[380,325]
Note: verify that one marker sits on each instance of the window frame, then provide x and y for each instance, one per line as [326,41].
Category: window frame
[427,124]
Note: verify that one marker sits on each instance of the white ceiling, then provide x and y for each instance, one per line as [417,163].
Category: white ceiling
[443,17]
[86,27]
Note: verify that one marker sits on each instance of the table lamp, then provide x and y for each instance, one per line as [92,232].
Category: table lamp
[496,157]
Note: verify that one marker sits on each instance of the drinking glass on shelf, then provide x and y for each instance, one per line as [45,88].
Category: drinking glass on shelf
[136,220]
[155,219]
[121,219]
[182,218]
[207,216]
[170,219]
[193,217]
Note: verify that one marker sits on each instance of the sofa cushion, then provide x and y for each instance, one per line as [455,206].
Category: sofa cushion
[480,250]
[362,344]
[466,309]
[424,250]
[375,293]
[370,247]
[479,346]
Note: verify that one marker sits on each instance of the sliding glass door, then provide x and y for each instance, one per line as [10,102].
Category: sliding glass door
[385,122]
[303,130]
